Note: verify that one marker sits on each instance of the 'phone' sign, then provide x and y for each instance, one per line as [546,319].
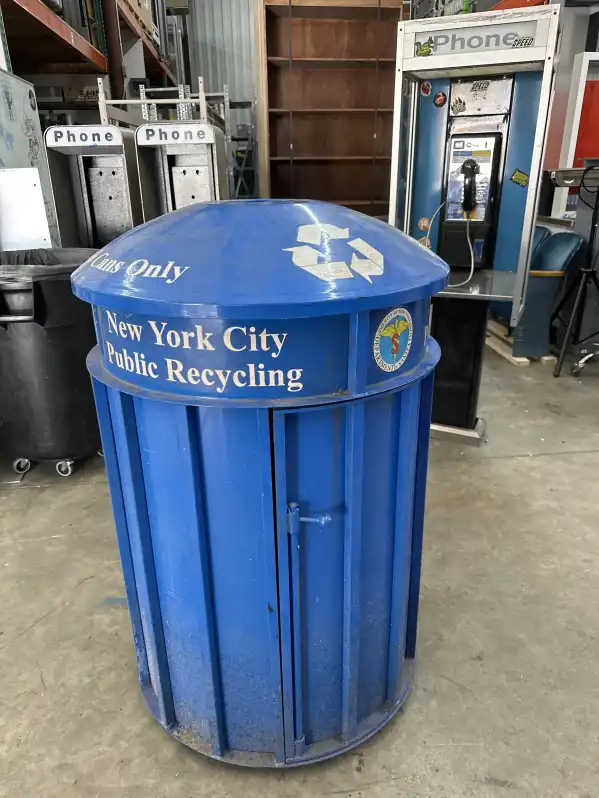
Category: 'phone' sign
[476,39]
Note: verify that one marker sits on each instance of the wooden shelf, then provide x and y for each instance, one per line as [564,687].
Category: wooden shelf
[344,9]
[331,158]
[155,64]
[40,41]
[317,63]
[330,110]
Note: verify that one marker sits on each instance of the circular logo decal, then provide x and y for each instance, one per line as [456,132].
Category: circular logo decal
[425,88]
[424,223]
[393,340]
[440,99]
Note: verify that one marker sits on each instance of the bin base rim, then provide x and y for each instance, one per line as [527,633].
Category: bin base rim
[431,356]
[316,752]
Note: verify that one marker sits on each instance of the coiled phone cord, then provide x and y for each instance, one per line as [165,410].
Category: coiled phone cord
[470,276]
[428,243]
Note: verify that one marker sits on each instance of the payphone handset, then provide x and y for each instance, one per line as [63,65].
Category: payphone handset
[467,226]
[470,168]
[482,151]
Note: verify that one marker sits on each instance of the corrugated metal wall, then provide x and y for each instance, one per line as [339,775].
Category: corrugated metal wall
[221,45]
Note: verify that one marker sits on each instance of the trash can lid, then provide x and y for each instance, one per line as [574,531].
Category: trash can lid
[40,264]
[266,258]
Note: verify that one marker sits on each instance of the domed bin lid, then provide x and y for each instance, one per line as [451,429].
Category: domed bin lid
[259,259]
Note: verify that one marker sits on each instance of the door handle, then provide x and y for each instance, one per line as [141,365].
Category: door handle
[294,522]
[295,519]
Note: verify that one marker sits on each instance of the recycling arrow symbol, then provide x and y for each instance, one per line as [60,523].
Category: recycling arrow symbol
[321,264]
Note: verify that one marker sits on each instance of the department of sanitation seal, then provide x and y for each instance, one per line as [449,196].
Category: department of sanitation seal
[393,340]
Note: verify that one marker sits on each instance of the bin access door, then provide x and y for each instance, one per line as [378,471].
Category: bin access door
[344,543]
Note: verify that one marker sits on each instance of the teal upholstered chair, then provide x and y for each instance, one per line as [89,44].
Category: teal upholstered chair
[551,260]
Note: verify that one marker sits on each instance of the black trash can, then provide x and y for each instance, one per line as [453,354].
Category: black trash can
[47,409]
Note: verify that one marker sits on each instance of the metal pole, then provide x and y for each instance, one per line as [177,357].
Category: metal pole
[114,49]
[102,102]
[144,108]
[202,99]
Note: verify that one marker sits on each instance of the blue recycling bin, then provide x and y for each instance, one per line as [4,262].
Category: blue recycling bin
[263,380]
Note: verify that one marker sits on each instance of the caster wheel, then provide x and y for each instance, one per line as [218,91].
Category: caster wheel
[21,465]
[64,468]
[576,369]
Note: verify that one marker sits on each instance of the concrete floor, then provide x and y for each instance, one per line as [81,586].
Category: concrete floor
[507,689]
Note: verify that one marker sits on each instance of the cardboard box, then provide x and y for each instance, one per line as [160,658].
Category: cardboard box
[145,14]
[143,11]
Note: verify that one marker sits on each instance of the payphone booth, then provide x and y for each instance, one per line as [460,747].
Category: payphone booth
[180,164]
[94,176]
[472,100]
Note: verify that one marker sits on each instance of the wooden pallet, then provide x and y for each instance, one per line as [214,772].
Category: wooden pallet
[499,340]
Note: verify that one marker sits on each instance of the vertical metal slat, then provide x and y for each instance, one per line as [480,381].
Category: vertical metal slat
[357,365]
[270,576]
[285,619]
[294,528]
[424,421]
[189,436]
[129,462]
[409,400]
[352,550]
[233,48]
[122,533]
[221,45]
[358,357]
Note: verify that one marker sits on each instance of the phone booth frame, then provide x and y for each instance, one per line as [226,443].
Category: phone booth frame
[585,67]
[481,61]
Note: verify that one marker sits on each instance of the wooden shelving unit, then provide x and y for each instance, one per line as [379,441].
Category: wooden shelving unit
[327,62]
[39,40]
[325,100]
[155,64]
[330,157]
